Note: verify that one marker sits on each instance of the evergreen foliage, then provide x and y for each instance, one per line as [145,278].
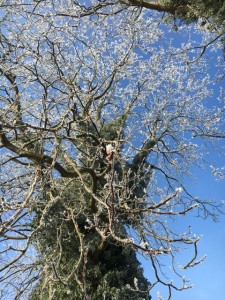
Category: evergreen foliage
[191,10]
[111,271]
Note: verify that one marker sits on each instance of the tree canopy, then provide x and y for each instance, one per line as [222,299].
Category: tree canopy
[102,119]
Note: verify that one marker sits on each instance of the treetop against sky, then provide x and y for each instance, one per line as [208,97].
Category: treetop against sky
[102,120]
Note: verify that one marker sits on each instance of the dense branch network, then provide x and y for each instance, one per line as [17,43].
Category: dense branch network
[100,123]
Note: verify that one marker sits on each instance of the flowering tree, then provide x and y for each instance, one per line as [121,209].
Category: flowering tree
[101,121]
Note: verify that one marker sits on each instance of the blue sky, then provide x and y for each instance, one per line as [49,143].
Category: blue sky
[208,277]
